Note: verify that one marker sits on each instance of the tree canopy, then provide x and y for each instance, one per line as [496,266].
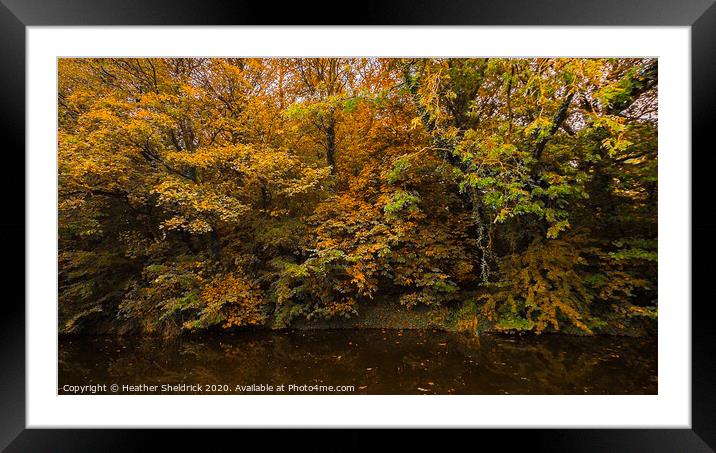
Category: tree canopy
[514,194]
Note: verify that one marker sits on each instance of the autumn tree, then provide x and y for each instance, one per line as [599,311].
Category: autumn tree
[519,194]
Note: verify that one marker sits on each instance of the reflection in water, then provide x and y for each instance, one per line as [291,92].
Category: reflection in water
[373,361]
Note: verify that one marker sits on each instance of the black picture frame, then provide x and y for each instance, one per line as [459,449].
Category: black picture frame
[700,15]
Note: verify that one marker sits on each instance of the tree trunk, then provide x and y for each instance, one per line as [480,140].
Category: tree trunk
[331,143]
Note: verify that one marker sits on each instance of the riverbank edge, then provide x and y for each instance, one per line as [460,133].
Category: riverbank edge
[371,315]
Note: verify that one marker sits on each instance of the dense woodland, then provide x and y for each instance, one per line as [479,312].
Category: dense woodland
[499,194]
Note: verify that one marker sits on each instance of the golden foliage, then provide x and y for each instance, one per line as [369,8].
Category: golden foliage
[236,191]
[233,299]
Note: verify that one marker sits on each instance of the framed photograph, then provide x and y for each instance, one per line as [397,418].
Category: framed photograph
[460,215]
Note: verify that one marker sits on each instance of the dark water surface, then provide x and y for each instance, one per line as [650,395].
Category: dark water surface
[372,361]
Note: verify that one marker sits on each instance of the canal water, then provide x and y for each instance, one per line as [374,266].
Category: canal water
[358,362]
